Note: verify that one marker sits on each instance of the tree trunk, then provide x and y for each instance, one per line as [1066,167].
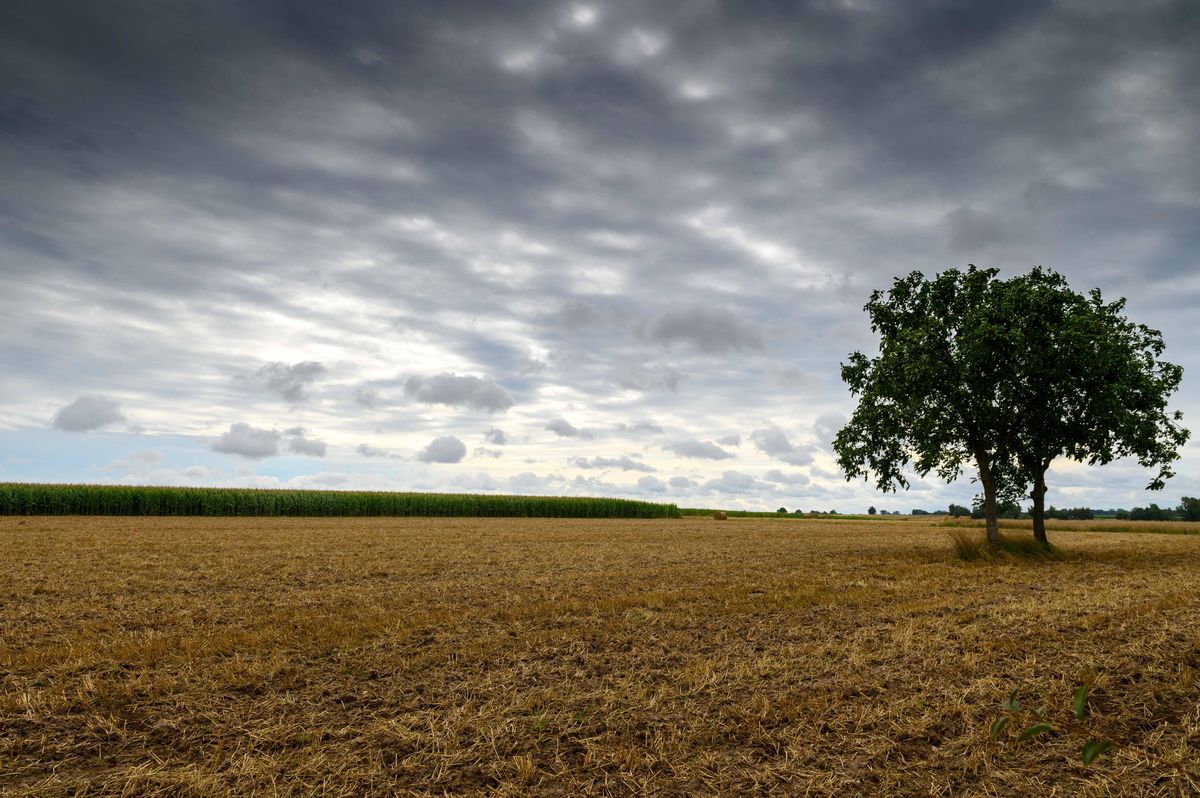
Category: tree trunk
[989,514]
[1038,511]
[989,499]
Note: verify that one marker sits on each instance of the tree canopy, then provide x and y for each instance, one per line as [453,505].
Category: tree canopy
[1007,375]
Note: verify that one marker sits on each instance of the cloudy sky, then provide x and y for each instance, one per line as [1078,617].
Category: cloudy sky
[611,248]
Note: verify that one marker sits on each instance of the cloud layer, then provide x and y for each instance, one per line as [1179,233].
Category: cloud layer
[652,234]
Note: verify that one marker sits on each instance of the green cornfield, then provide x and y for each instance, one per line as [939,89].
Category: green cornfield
[33,499]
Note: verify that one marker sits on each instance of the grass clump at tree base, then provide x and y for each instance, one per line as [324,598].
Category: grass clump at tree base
[970,547]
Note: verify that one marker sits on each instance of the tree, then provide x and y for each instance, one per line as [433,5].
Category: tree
[1189,509]
[957,509]
[1008,375]
[781,510]
[933,397]
[1090,385]
[871,510]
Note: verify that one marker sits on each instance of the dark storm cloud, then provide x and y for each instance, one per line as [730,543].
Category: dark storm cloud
[87,413]
[460,390]
[669,211]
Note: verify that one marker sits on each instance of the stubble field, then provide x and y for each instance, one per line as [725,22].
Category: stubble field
[332,656]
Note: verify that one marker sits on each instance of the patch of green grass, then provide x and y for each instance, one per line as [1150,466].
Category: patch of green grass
[970,547]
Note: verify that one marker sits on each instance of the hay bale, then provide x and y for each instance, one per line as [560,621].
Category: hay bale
[720,516]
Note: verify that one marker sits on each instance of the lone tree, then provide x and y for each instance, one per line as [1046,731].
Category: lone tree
[1093,386]
[1008,374]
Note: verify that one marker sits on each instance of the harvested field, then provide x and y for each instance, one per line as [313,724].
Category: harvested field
[351,656]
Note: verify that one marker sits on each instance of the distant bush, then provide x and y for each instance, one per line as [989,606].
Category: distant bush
[1151,513]
[1004,509]
[1073,514]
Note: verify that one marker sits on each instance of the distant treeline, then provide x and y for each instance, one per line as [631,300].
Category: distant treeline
[30,499]
[1188,510]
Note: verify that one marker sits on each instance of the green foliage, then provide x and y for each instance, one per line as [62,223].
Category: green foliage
[30,499]
[871,510]
[1189,509]
[1151,513]
[957,510]
[939,349]
[1009,375]
[998,726]
[1079,702]
[1034,731]
[1094,748]
[1035,723]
